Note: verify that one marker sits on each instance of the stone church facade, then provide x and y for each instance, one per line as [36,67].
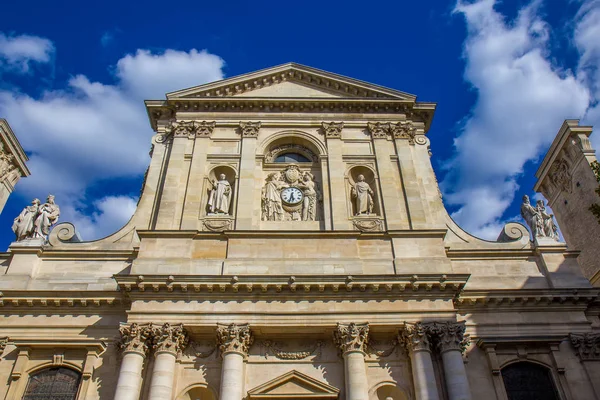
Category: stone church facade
[290,242]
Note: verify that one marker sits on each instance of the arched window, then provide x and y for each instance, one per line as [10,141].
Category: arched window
[291,157]
[528,381]
[54,384]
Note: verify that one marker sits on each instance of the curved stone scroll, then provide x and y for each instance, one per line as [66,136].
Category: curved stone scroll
[512,232]
[64,232]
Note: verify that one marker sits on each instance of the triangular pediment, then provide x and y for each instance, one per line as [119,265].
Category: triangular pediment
[291,81]
[293,385]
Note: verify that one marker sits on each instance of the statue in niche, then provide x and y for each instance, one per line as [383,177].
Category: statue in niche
[362,194]
[36,220]
[23,224]
[220,196]
[271,198]
[540,222]
[309,204]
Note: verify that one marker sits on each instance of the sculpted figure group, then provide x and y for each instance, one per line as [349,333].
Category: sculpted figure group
[540,222]
[35,220]
[272,204]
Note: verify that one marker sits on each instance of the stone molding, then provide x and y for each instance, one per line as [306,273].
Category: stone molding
[135,338]
[368,224]
[234,338]
[415,337]
[526,298]
[169,338]
[218,223]
[286,148]
[449,336]
[351,337]
[332,130]
[249,129]
[587,345]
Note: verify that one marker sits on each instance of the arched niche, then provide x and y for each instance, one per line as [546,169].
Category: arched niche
[371,178]
[390,391]
[198,392]
[214,175]
[529,380]
[302,172]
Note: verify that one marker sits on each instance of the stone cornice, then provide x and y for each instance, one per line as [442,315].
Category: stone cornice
[61,299]
[423,286]
[527,298]
[417,112]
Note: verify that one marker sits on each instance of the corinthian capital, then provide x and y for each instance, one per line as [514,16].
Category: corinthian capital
[351,337]
[414,337]
[587,345]
[250,129]
[333,129]
[234,338]
[379,130]
[449,336]
[135,338]
[172,339]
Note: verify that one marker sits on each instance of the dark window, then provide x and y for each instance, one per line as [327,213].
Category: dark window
[528,381]
[53,384]
[291,157]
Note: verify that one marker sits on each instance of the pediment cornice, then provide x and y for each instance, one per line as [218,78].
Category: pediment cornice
[311,388]
[327,82]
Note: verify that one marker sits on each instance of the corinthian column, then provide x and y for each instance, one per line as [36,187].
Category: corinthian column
[234,342]
[414,337]
[451,342]
[169,341]
[352,340]
[134,344]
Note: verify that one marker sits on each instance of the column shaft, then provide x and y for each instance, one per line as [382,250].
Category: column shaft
[424,376]
[163,374]
[355,374]
[232,376]
[457,382]
[130,376]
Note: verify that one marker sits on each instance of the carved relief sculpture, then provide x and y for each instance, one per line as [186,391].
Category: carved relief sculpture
[351,337]
[271,198]
[362,194]
[290,196]
[234,337]
[135,338]
[560,176]
[6,164]
[173,339]
[220,196]
[541,223]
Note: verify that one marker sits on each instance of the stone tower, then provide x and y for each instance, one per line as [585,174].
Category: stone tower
[566,179]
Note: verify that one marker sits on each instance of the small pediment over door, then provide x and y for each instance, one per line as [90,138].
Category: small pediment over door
[294,385]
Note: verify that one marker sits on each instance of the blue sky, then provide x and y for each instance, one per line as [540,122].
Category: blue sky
[504,74]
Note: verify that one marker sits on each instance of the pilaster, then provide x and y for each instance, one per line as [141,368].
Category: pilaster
[248,213]
[335,165]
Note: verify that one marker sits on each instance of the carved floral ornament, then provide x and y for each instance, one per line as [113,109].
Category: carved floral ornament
[333,129]
[249,129]
[399,130]
[168,338]
[444,336]
[187,128]
[587,345]
[351,337]
[135,338]
[139,338]
[234,338]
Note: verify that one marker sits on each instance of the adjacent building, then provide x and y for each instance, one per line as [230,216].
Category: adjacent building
[291,242]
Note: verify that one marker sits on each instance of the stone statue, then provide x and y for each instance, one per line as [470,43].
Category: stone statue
[547,221]
[271,198]
[309,203]
[541,223]
[47,216]
[220,196]
[363,196]
[23,225]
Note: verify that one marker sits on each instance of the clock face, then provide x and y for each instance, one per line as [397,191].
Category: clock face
[291,195]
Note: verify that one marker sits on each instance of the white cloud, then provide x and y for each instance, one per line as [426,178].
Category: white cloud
[522,101]
[90,131]
[17,52]
[106,38]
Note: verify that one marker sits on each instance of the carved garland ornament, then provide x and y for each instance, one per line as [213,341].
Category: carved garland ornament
[234,338]
[587,345]
[274,348]
[217,224]
[332,129]
[351,337]
[368,224]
